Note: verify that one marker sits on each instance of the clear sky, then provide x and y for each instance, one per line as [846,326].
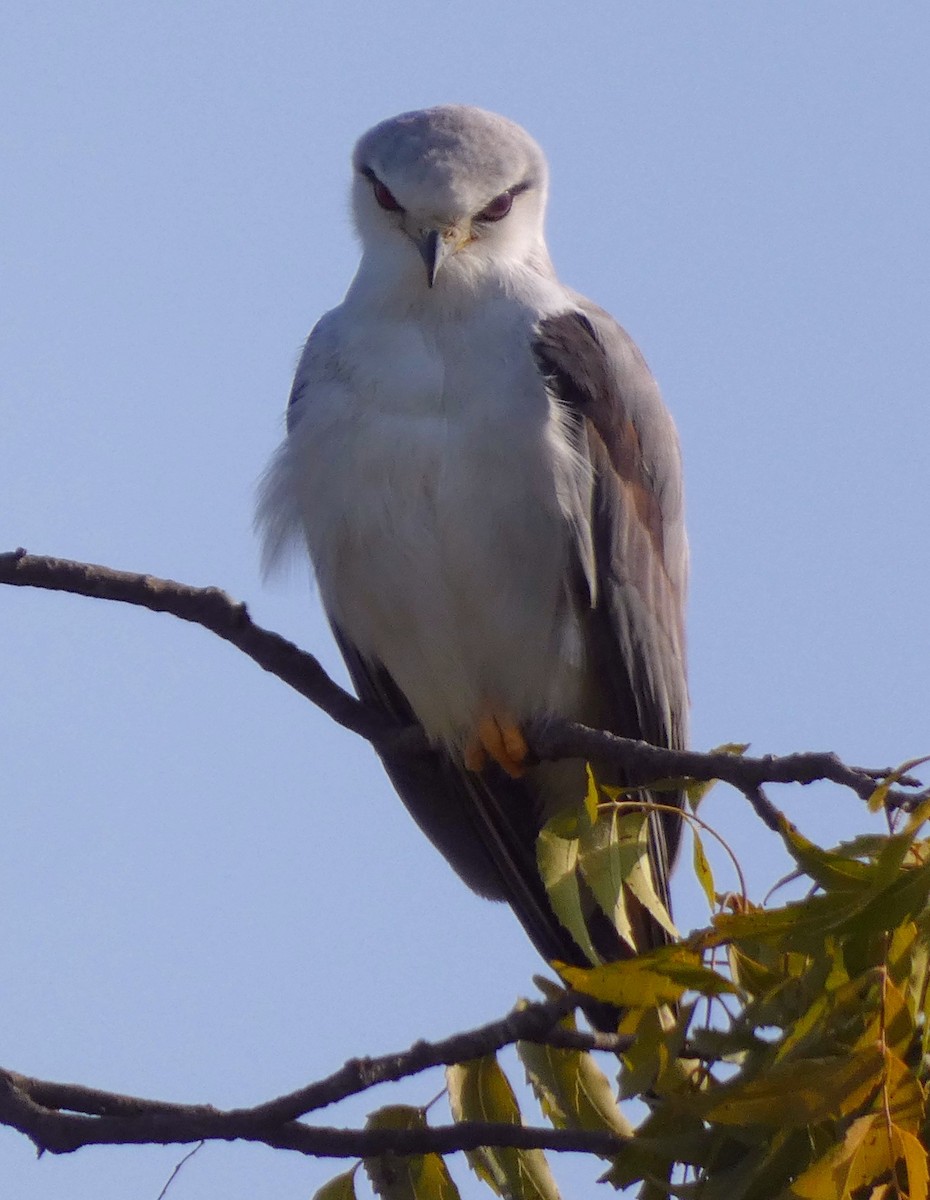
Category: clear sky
[207,891]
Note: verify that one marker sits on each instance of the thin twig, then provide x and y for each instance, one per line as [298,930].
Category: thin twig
[174,1174]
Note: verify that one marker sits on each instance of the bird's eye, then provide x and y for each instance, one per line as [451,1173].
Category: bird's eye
[385,197]
[499,207]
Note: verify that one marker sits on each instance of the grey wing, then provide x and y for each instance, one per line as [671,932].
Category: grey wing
[635,627]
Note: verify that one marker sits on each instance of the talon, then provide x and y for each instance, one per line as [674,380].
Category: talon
[475,757]
[515,744]
[501,739]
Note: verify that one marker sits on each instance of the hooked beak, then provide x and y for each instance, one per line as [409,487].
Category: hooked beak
[435,246]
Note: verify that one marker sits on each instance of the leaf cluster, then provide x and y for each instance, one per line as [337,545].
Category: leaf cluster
[781,1052]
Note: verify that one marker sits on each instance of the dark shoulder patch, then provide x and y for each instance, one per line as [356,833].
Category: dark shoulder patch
[570,356]
[580,371]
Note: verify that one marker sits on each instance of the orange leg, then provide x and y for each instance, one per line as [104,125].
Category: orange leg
[500,738]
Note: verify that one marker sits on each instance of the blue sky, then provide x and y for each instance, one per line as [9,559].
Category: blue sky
[208,892]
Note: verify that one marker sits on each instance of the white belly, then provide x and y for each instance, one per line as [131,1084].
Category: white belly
[432,497]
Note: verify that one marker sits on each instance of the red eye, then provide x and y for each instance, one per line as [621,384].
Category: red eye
[385,197]
[498,208]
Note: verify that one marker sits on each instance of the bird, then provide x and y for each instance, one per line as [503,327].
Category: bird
[489,487]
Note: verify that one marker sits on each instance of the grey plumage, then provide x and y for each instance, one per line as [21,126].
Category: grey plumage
[489,487]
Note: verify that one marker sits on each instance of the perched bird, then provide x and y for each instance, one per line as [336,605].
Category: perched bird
[489,487]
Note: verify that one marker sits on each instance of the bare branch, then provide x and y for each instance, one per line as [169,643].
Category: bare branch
[644,764]
[214,610]
[229,619]
[530,1024]
[93,1117]
[62,1133]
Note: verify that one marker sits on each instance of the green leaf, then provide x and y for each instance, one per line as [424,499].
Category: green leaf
[341,1187]
[557,859]
[905,898]
[800,924]
[831,870]
[794,1094]
[479,1091]
[878,797]
[648,1055]
[633,834]
[661,1141]
[572,1090]
[753,977]
[605,862]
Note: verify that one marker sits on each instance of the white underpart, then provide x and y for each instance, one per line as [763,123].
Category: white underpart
[436,488]
[427,470]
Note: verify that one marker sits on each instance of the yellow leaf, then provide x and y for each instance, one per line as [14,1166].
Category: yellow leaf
[903,953]
[892,1022]
[479,1091]
[915,1163]
[626,984]
[869,1151]
[432,1181]
[591,797]
[705,875]
[407,1176]
[342,1187]
[661,976]
[903,1095]
[874,1156]
[829,1176]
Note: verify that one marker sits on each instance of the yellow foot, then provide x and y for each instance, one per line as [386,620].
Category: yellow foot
[499,738]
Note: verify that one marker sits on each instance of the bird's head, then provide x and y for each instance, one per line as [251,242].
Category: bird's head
[450,190]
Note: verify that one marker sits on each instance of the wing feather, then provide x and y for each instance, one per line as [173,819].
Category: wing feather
[635,630]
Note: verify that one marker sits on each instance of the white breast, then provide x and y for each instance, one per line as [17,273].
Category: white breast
[430,474]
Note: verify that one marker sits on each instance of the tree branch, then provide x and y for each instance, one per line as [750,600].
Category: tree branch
[214,610]
[230,620]
[63,1133]
[93,1117]
[645,763]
